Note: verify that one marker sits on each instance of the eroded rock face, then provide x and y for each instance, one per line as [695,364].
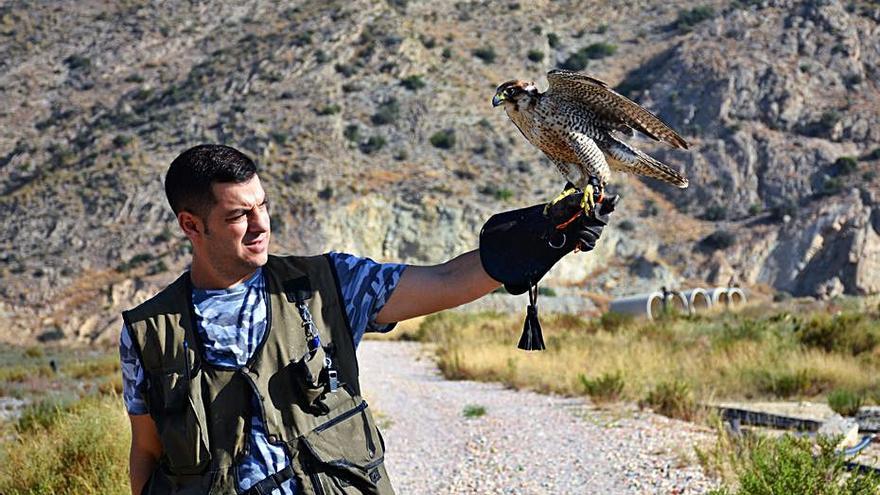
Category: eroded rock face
[831,253]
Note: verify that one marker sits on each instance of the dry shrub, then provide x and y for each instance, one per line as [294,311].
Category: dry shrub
[83,451]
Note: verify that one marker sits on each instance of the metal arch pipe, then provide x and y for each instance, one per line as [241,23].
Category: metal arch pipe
[698,300]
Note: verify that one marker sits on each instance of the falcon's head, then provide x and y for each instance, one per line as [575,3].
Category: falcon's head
[519,94]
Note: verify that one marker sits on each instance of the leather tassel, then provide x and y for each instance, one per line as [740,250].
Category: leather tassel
[532,338]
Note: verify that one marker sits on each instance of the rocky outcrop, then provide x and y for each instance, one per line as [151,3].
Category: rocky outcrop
[339,101]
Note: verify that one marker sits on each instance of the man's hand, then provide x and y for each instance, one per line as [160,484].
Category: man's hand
[518,247]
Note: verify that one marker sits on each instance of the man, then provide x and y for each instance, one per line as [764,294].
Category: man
[241,376]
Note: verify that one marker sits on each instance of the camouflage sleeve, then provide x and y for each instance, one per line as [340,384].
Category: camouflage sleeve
[133,383]
[366,285]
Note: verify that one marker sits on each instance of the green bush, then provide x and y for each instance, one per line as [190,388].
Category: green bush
[674,399]
[851,333]
[473,411]
[830,187]
[596,51]
[279,137]
[553,40]
[789,464]
[486,54]
[331,109]
[720,239]
[413,82]
[444,139]
[352,132]
[387,113]
[547,291]
[787,383]
[687,19]
[535,55]
[499,193]
[846,165]
[845,402]
[577,61]
[372,145]
[873,155]
[605,388]
[715,213]
[75,62]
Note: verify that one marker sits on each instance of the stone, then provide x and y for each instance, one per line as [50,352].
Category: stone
[838,426]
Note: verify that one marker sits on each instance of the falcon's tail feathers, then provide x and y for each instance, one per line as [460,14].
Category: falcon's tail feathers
[647,165]
[628,159]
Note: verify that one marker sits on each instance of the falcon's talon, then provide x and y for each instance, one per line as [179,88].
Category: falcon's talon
[588,201]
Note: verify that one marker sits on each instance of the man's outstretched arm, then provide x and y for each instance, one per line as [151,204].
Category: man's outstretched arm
[516,247]
[424,290]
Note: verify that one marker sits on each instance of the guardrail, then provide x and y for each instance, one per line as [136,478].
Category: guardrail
[652,304]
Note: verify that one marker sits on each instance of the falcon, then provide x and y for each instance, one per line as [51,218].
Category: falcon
[574,123]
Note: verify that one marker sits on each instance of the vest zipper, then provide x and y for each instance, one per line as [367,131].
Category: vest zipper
[342,417]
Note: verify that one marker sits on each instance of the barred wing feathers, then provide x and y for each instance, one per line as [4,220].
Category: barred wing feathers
[610,105]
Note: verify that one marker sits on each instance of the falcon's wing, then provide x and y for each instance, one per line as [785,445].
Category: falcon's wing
[611,105]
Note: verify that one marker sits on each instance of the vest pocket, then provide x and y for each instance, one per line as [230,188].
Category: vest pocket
[346,455]
[184,439]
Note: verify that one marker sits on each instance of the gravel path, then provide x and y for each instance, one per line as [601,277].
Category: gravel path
[525,443]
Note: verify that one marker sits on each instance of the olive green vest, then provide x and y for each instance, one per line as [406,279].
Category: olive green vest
[309,395]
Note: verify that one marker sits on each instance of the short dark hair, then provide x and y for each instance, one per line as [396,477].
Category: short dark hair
[189,178]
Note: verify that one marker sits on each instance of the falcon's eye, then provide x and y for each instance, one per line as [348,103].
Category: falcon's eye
[508,92]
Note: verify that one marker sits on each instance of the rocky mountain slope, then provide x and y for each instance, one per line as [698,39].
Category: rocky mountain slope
[372,125]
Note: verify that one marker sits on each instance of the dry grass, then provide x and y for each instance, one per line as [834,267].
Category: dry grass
[756,354]
[83,450]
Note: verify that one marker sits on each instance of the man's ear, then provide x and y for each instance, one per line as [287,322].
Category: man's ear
[191,225]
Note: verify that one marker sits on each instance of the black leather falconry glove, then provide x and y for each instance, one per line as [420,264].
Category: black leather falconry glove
[517,248]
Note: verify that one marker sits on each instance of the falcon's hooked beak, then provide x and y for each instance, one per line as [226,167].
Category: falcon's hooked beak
[498,99]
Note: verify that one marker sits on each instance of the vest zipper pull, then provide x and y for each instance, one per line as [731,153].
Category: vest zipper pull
[186,357]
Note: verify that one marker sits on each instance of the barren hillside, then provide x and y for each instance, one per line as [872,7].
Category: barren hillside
[372,125]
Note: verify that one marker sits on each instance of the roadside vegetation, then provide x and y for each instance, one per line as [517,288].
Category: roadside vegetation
[66,431]
[678,364]
[754,464]
[674,364]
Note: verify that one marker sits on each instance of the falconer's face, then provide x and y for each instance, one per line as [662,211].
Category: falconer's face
[236,238]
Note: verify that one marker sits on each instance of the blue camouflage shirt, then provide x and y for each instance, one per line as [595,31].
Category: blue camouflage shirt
[231,323]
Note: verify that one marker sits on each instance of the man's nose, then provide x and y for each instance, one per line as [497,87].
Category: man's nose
[259,222]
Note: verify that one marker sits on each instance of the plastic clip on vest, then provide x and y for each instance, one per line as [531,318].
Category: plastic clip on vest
[517,248]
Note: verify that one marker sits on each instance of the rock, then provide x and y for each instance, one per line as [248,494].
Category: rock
[838,426]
